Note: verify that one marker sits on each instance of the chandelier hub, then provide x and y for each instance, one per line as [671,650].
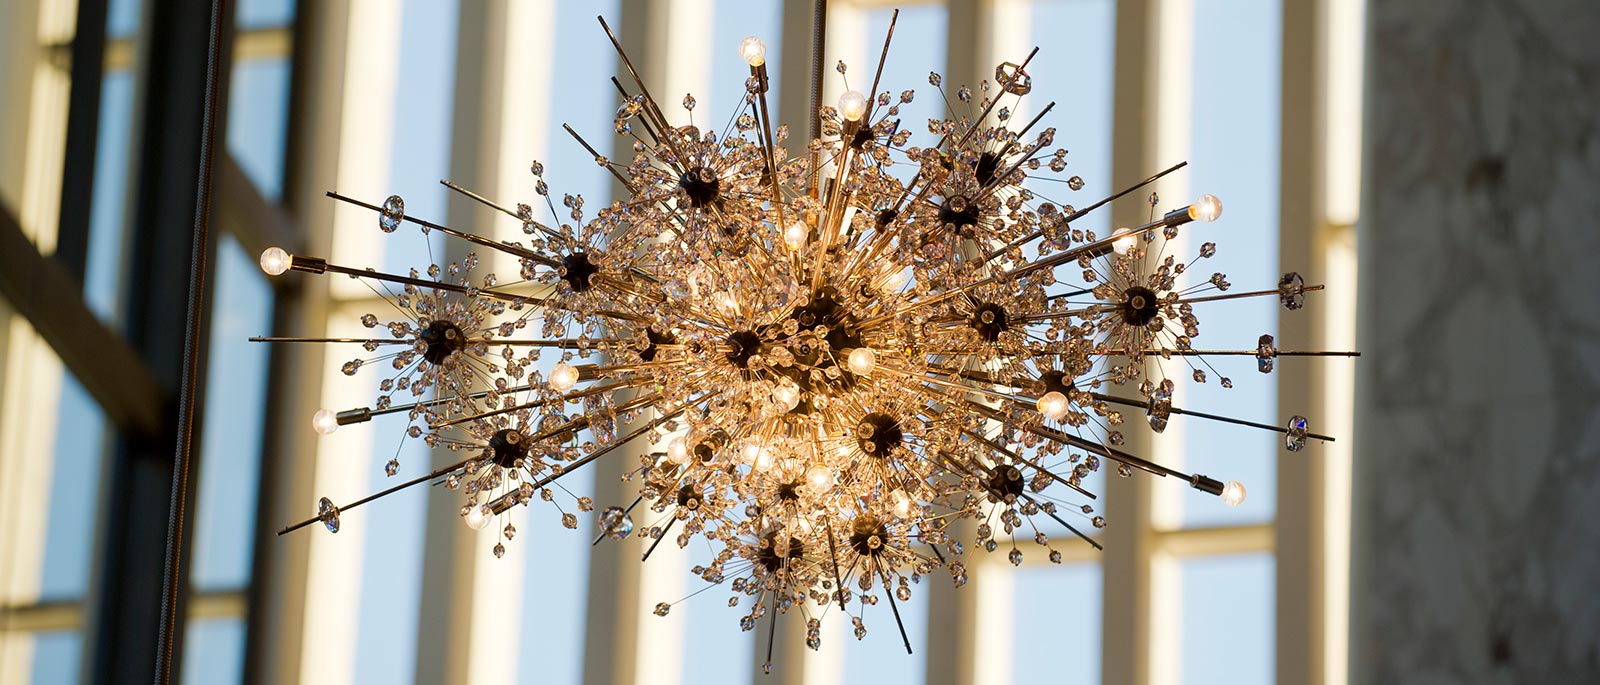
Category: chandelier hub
[868,535]
[701,185]
[443,339]
[767,553]
[958,211]
[989,320]
[879,433]
[508,446]
[576,270]
[1139,305]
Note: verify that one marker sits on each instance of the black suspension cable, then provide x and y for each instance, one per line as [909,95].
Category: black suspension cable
[819,40]
[173,576]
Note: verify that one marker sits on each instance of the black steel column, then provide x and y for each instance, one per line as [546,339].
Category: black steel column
[126,595]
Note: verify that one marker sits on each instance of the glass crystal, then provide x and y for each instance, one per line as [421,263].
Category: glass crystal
[616,523]
[1291,291]
[394,210]
[1295,438]
[328,514]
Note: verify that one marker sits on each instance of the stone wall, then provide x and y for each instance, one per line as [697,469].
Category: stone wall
[1477,494]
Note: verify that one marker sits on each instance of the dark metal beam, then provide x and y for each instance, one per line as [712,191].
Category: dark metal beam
[126,595]
[44,293]
[249,217]
[83,133]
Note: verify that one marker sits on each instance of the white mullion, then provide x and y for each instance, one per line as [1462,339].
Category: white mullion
[1301,605]
[332,592]
[1126,611]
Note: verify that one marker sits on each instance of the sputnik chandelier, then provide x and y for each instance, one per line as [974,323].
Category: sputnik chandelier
[826,359]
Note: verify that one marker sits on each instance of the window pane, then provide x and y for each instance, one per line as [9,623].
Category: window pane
[122,18]
[734,20]
[1227,606]
[1077,76]
[256,14]
[56,656]
[1056,637]
[230,449]
[75,473]
[715,649]
[213,651]
[881,656]
[918,48]
[391,561]
[105,266]
[1234,154]
[555,598]
[258,121]
[420,149]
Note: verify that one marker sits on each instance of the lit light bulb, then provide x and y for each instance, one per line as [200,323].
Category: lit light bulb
[862,361]
[794,237]
[1053,405]
[325,421]
[852,105]
[275,261]
[479,517]
[1207,208]
[1233,493]
[819,478]
[678,451]
[786,396]
[1126,243]
[563,377]
[726,303]
[764,460]
[902,504]
[753,50]
[897,279]
[749,451]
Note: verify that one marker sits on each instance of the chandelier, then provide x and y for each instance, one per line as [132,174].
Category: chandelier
[829,358]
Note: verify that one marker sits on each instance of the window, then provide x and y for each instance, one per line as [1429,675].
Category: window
[397,95]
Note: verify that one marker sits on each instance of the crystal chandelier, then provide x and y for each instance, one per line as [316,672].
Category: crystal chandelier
[828,358]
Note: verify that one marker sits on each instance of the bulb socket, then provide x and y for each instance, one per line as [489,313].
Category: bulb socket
[311,265]
[1207,485]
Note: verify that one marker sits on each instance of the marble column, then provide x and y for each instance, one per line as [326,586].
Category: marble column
[1476,552]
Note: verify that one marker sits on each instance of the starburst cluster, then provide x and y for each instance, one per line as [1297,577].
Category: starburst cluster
[822,359]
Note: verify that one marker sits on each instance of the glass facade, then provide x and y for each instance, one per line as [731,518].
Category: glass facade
[363,605]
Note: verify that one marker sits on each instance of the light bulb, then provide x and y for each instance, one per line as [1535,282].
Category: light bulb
[749,451]
[1207,208]
[897,279]
[753,50]
[862,361]
[852,105]
[678,451]
[902,504]
[563,377]
[478,517]
[1053,405]
[1233,493]
[275,261]
[786,395]
[764,460]
[819,478]
[325,421]
[794,237]
[726,303]
[1126,243]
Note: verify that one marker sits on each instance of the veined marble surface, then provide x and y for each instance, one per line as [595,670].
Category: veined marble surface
[1477,494]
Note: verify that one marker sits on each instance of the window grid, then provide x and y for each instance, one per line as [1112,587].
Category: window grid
[1150,544]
